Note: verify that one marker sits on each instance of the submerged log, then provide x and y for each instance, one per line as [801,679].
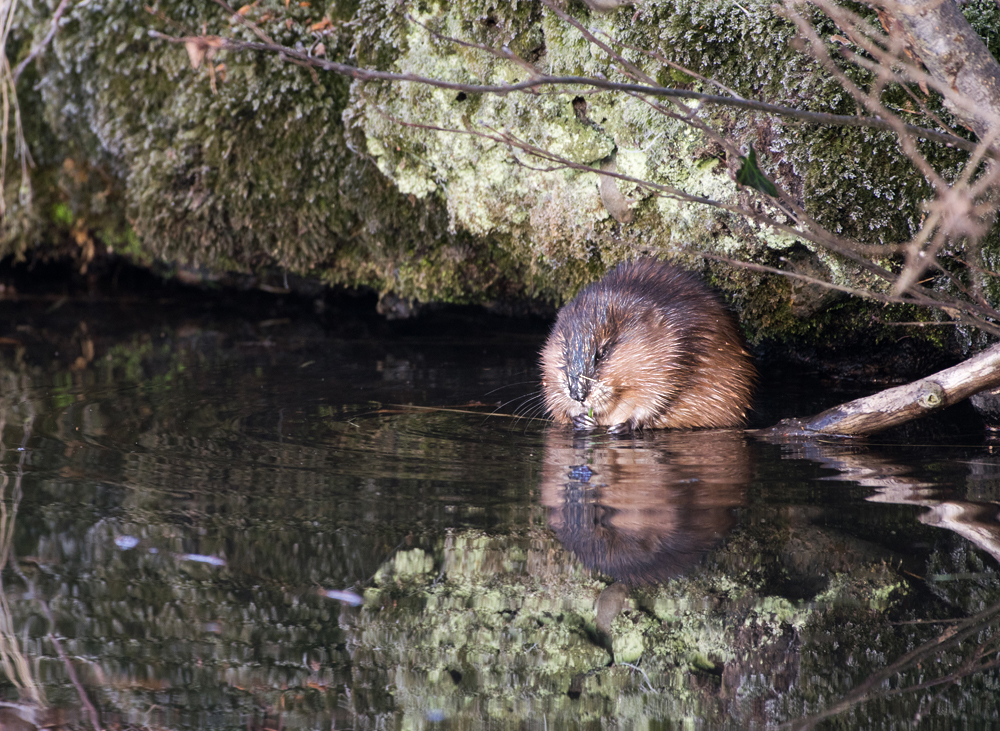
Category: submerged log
[898,405]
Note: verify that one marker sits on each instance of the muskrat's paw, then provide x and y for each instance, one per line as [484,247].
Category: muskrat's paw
[584,421]
[626,427]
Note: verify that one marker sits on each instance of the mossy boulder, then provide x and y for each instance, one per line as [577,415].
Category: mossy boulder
[250,162]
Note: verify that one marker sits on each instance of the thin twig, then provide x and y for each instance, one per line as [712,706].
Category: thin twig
[256,29]
[964,312]
[95,720]
[60,9]
[362,74]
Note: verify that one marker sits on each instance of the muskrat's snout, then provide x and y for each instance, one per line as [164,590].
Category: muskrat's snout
[579,369]
[578,387]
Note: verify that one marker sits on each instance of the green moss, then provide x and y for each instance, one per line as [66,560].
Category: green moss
[984,16]
[62,215]
[276,167]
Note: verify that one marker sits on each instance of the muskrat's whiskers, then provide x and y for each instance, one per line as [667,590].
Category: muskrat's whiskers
[510,385]
[529,407]
[535,408]
[530,402]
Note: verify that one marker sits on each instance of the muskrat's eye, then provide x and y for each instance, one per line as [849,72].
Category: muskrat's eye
[602,351]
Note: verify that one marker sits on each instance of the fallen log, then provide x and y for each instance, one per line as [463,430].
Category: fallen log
[894,406]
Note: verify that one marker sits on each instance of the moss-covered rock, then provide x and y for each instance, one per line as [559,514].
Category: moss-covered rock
[250,161]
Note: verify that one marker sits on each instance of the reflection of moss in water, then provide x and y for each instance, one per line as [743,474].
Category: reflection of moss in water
[503,628]
[468,627]
[876,589]
[132,363]
[503,624]
[499,617]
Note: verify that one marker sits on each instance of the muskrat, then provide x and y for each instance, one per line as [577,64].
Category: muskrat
[648,345]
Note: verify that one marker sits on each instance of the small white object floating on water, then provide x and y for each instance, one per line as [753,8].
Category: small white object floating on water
[127,542]
[347,597]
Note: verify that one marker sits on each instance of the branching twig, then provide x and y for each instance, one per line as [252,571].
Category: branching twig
[8,82]
[53,27]
[362,74]
[875,685]
[254,28]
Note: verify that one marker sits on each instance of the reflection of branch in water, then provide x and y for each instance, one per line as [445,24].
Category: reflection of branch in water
[13,661]
[14,664]
[70,670]
[983,657]
[976,522]
[645,678]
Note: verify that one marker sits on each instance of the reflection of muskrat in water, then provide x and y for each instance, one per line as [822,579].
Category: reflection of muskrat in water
[644,509]
[646,346]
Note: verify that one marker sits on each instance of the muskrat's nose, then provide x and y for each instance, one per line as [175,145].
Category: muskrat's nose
[578,389]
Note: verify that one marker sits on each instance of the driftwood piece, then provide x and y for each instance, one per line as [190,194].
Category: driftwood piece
[895,406]
[942,38]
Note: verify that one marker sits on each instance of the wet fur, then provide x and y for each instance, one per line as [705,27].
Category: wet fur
[648,345]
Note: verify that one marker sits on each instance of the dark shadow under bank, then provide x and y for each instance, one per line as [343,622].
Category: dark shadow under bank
[848,358]
[342,311]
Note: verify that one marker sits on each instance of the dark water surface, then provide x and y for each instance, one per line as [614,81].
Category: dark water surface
[231,520]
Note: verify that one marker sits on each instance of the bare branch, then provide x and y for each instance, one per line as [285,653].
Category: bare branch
[955,56]
[354,72]
[254,28]
[894,406]
[56,16]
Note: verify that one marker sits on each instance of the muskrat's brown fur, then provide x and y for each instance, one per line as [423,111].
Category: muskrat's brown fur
[648,345]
